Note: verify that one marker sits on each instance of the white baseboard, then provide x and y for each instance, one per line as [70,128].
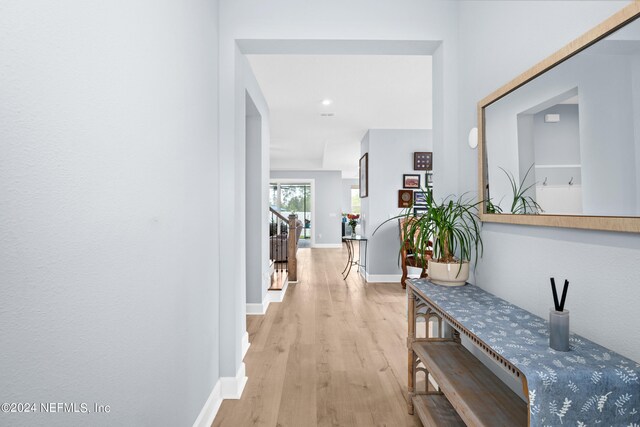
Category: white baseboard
[210,409]
[327,246]
[225,388]
[232,387]
[271,296]
[383,278]
[245,344]
[258,308]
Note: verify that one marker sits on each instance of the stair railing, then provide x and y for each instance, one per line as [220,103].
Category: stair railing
[283,243]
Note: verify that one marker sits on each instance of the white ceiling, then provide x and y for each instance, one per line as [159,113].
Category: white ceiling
[368,92]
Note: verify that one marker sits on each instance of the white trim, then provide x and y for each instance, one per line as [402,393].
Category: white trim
[414,273]
[225,388]
[232,387]
[258,308]
[210,408]
[278,296]
[383,278]
[271,296]
[245,344]
[326,245]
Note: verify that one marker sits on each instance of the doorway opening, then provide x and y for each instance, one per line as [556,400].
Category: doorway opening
[295,197]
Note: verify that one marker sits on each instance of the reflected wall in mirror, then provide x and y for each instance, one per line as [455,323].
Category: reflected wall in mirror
[563,140]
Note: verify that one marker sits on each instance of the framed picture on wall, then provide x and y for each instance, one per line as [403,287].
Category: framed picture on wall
[418,211]
[419,198]
[364,176]
[405,198]
[410,181]
[422,160]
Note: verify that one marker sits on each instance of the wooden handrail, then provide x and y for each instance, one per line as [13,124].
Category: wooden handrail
[278,214]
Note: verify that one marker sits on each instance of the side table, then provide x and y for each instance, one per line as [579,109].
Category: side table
[348,240]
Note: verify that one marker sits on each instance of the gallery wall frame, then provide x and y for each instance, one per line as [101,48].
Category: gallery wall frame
[419,198]
[405,198]
[363,176]
[422,160]
[411,181]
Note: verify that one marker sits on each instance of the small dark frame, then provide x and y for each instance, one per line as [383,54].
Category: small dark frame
[364,176]
[419,198]
[422,160]
[405,198]
[418,211]
[411,181]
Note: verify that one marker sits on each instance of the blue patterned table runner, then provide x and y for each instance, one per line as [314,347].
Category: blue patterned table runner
[587,386]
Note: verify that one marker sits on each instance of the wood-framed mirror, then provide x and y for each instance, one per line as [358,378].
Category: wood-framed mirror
[559,145]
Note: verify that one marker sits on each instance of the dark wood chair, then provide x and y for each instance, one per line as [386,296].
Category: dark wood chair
[408,255]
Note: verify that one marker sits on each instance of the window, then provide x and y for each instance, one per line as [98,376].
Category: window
[355,199]
[293,199]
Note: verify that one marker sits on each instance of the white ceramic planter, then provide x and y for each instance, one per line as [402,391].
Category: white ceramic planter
[448,274]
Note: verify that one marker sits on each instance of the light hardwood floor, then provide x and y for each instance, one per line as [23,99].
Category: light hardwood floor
[333,353]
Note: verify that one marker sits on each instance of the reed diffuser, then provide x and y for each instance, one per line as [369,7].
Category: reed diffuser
[559,319]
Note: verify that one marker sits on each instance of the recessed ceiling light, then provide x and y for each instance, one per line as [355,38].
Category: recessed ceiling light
[327,102]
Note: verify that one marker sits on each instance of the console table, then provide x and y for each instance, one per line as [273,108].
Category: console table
[348,240]
[589,385]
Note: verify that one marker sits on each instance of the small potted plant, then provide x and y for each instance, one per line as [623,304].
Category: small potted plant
[453,226]
[353,222]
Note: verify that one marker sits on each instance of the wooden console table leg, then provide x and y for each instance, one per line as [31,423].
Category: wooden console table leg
[411,359]
[455,335]
[405,274]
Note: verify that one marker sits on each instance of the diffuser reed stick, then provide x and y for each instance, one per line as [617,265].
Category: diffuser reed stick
[559,304]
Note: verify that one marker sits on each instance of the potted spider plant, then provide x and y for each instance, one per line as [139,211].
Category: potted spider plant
[453,226]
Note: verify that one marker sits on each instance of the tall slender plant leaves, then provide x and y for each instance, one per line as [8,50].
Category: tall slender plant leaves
[521,203]
[452,224]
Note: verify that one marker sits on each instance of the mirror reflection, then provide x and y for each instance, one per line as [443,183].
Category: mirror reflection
[568,141]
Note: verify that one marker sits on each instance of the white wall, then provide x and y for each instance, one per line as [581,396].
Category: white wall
[390,156]
[635,87]
[519,260]
[557,143]
[109,209]
[328,200]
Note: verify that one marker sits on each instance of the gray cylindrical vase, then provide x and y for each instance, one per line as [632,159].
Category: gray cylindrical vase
[559,330]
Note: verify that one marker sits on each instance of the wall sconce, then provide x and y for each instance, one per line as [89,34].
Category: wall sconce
[473,138]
